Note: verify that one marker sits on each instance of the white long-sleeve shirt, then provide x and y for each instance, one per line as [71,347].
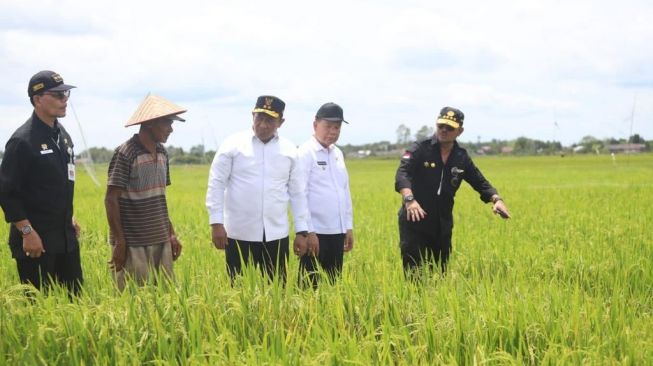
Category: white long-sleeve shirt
[250,186]
[327,188]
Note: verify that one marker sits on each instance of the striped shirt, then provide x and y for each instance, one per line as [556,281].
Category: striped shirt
[143,209]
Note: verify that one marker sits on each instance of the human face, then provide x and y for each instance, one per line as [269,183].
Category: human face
[326,132]
[160,130]
[265,126]
[448,134]
[50,105]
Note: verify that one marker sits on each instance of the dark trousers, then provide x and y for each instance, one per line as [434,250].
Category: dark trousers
[44,271]
[423,243]
[270,257]
[330,259]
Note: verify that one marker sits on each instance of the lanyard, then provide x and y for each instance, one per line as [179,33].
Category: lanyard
[56,143]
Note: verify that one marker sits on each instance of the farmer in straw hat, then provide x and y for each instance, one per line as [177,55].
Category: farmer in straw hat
[142,235]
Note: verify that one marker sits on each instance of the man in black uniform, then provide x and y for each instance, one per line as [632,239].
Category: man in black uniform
[37,181]
[428,177]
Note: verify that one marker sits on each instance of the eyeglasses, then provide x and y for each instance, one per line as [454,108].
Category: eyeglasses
[445,127]
[61,95]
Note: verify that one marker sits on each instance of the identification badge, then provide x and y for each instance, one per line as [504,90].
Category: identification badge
[71,172]
[48,151]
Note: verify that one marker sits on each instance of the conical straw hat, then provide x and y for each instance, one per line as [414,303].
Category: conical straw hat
[154,107]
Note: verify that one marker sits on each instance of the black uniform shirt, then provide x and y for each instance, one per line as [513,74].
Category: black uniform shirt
[434,184]
[34,185]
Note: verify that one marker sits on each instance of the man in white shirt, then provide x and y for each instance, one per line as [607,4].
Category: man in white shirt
[253,177]
[328,196]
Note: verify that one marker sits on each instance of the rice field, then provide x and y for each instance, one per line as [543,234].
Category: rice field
[567,280]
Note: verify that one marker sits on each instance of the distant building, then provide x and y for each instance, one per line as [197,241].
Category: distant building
[627,148]
[485,149]
[507,150]
[363,153]
[359,154]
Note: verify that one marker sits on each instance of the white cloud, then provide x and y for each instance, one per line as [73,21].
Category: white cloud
[514,67]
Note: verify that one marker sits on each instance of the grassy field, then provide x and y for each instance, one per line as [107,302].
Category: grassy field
[568,280]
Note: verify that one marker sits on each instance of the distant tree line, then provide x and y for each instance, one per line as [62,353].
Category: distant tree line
[196,155]
[519,146]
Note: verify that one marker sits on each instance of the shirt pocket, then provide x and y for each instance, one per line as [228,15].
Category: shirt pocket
[279,168]
[49,163]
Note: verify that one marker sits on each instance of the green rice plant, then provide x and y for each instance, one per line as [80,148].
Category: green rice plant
[567,280]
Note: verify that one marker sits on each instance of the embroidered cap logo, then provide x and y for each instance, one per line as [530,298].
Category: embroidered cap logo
[268,103]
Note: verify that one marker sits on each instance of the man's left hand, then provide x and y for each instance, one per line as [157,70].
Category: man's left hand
[176,247]
[78,229]
[349,240]
[313,243]
[500,209]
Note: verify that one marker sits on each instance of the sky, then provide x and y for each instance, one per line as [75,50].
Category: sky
[547,70]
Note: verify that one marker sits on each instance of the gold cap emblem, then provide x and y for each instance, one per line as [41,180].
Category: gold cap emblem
[268,103]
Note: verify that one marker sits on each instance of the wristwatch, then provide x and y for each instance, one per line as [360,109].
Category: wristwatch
[496,199]
[26,230]
[408,198]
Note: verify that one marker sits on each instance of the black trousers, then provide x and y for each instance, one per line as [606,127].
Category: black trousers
[427,242]
[44,271]
[269,256]
[330,259]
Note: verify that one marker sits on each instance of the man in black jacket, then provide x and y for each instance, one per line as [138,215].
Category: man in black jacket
[37,181]
[428,177]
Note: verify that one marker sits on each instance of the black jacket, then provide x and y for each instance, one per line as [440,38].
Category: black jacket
[433,183]
[34,185]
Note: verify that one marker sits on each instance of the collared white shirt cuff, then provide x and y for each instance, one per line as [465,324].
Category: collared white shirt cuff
[216,218]
[301,226]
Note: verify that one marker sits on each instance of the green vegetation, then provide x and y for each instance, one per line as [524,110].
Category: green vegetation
[568,280]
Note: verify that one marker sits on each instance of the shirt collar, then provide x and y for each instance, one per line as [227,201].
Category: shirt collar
[434,141]
[255,138]
[317,146]
[43,127]
[137,141]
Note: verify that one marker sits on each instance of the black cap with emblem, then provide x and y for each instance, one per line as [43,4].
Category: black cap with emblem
[46,80]
[451,116]
[330,112]
[270,105]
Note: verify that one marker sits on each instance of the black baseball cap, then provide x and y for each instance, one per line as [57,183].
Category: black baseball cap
[46,80]
[270,105]
[451,116]
[330,112]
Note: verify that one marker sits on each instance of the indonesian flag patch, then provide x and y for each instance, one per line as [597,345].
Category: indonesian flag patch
[406,155]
